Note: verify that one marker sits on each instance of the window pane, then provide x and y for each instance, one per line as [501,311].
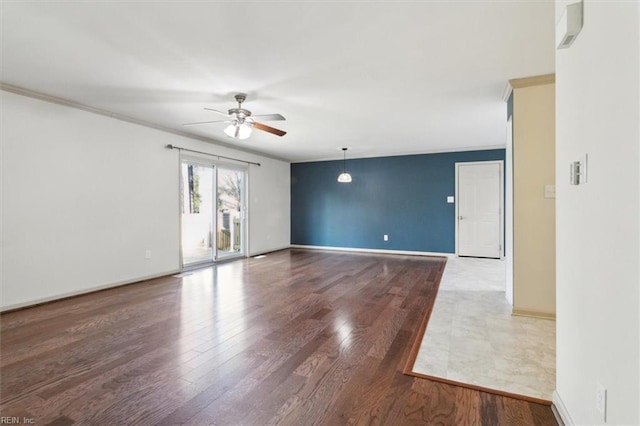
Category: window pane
[229,215]
[197,213]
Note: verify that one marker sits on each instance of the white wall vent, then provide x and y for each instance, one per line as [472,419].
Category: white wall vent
[569,25]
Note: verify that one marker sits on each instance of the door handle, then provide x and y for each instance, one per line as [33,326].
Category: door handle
[460,217]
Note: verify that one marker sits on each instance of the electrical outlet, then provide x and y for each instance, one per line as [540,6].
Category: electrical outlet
[601,402]
[147,254]
[385,237]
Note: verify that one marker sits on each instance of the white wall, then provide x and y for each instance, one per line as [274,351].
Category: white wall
[269,206]
[84,195]
[598,227]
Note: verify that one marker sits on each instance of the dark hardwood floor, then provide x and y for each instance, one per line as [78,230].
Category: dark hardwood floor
[298,337]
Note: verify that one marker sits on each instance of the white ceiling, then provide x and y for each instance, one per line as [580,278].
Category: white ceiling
[382,78]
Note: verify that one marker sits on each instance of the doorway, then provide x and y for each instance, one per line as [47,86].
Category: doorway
[212,211]
[479,207]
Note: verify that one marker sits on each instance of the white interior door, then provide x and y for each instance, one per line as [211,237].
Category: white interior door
[479,209]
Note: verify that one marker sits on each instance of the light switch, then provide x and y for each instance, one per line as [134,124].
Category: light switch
[549,191]
[578,171]
[450,199]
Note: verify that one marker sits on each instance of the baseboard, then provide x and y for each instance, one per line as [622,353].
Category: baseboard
[267,251]
[377,251]
[560,410]
[42,301]
[533,314]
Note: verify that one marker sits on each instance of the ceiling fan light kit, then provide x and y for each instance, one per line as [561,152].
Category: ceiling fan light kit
[238,130]
[242,122]
[344,177]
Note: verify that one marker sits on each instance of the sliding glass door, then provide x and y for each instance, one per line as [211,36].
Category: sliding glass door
[212,212]
[230,212]
[197,213]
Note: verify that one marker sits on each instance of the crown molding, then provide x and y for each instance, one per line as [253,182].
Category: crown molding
[72,104]
[405,153]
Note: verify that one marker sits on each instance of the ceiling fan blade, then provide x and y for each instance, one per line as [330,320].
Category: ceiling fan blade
[219,112]
[269,129]
[270,117]
[205,122]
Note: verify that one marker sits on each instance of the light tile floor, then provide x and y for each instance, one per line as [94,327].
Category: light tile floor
[472,337]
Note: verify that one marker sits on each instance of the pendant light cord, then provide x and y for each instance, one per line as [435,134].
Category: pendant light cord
[344,160]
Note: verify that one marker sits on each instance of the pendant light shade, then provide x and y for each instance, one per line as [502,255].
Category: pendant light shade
[344,176]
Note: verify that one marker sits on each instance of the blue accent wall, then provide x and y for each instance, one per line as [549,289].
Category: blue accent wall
[404,197]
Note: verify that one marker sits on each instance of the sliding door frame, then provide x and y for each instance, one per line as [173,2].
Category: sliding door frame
[244,242]
[244,225]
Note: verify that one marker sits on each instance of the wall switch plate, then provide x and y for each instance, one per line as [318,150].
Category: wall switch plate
[147,254]
[575,172]
[450,199]
[385,237]
[578,171]
[601,402]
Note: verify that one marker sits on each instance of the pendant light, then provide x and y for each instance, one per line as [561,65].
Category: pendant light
[344,176]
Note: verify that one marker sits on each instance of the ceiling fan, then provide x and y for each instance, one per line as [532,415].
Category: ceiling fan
[241,122]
